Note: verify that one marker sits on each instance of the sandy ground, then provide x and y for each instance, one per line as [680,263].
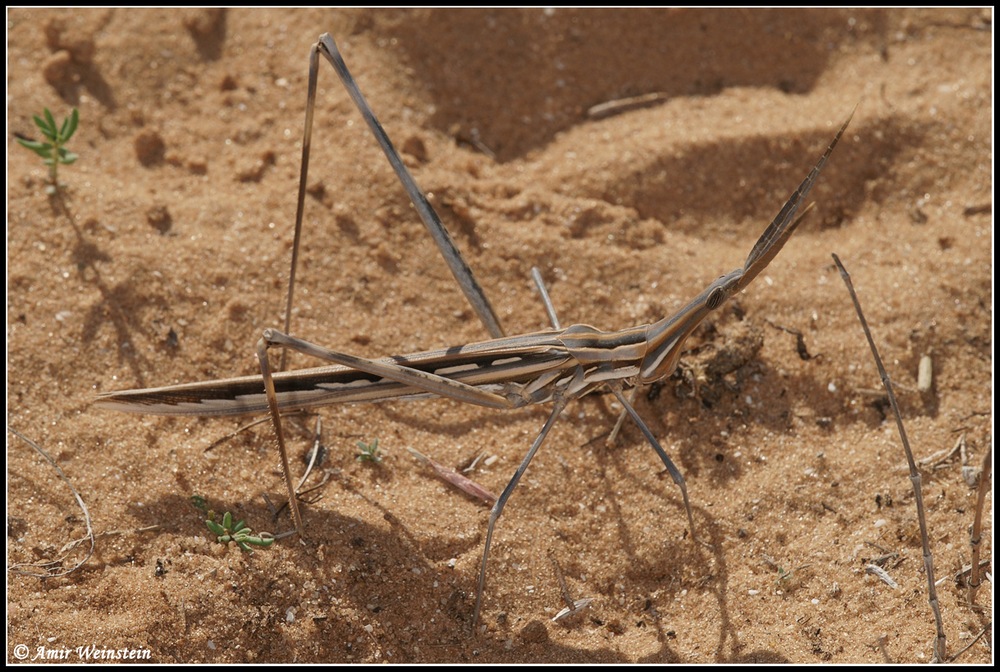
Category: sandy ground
[167,256]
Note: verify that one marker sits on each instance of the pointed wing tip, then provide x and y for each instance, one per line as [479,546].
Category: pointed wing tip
[138,404]
[111,401]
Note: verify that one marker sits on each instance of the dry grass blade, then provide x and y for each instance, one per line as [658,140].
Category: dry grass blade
[940,642]
[975,536]
[578,606]
[613,107]
[86,516]
[882,575]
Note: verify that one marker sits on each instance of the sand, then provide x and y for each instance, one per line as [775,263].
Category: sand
[166,255]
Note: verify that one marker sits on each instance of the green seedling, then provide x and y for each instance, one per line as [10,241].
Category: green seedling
[53,152]
[200,503]
[369,452]
[239,532]
[783,575]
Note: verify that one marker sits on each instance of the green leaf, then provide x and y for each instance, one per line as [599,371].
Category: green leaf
[50,120]
[54,153]
[72,122]
[227,531]
[33,145]
[43,127]
[42,149]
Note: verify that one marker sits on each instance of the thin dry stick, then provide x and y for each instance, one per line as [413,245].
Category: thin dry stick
[972,642]
[250,425]
[572,606]
[71,545]
[314,454]
[460,481]
[975,537]
[939,644]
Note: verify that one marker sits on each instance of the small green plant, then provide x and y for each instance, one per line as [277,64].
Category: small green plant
[200,503]
[783,575]
[239,532]
[53,152]
[369,452]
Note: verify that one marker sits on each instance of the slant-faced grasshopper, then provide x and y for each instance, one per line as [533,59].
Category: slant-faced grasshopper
[505,372]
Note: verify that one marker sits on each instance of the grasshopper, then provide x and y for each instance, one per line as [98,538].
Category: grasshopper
[552,366]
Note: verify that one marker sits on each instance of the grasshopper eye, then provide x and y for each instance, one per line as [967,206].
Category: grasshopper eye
[716,298]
